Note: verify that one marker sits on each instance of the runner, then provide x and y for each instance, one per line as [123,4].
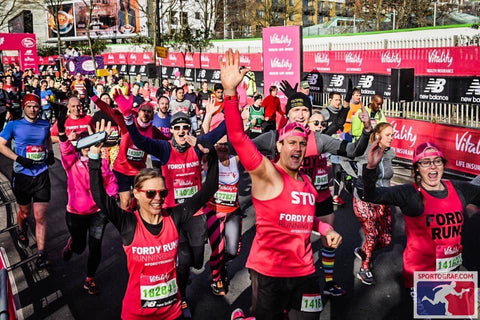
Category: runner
[150,236]
[130,159]
[30,181]
[317,169]
[181,167]
[284,200]
[376,219]
[77,122]
[83,216]
[433,209]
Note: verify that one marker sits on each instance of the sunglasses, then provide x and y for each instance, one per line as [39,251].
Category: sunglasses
[150,194]
[318,122]
[184,127]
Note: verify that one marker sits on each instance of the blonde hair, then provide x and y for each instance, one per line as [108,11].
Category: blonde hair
[146,174]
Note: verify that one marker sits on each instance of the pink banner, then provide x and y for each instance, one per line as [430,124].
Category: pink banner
[8,60]
[460,145]
[25,44]
[446,61]
[282,57]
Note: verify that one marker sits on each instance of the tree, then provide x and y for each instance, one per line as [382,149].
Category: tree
[6,10]
[373,12]
[90,5]
[209,16]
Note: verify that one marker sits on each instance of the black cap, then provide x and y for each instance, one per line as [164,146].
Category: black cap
[179,117]
[298,99]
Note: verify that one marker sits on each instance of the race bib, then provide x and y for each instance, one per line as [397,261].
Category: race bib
[135,154]
[226,195]
[321,181]
[311,303]
[156,292]
[187,192]
[256,129]
[35,153]
[448,258]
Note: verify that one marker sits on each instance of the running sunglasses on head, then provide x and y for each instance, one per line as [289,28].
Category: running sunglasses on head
[317,122]
[150,194]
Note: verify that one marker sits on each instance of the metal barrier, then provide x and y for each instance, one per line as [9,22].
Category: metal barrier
[466,115]
[4,312]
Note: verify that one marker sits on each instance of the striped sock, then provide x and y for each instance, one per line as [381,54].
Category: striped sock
[328,262]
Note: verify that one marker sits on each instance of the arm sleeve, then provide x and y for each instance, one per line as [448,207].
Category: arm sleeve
[68,153]
[249,155]
[338,123]
[124,221]
[469,191]
[326,143]
[157,148]
[113,114]
[157,134]
[109,180]
[320,226]
[216,134]
[184,211]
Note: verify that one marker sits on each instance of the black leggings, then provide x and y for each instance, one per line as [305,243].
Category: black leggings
[78,226]
[191,249]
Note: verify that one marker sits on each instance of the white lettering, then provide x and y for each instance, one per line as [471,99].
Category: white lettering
[465,144]
[322,58]
[353,58]
[302,198]
[391,57]
[437,56]
[283,39]
[284,63]
[404,134]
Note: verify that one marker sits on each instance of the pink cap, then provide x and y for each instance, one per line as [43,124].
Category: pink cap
[292,129]
[427,149]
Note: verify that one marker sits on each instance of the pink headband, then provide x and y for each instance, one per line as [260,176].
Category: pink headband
[292,129]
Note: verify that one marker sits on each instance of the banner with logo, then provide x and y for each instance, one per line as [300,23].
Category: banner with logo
[282,57]
[460,145]
[25,44]
[84,65]
[442,61]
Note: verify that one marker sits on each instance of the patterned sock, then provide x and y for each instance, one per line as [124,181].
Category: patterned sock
[328,262]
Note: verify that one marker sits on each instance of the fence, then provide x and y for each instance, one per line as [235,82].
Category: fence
[465,115]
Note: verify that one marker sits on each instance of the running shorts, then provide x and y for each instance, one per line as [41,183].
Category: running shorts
[28,188]
[324,208]
[272,295]
[125,183]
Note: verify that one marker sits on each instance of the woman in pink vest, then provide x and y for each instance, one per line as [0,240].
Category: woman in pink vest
[150,237]
[433,209]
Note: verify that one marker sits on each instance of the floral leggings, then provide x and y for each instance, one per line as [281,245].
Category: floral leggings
[376,221]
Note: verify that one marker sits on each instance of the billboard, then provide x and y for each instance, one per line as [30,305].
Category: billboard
[110,19]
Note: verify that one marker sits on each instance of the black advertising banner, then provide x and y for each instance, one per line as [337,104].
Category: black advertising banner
[189,74]
[448,89]
[201,75]
[369,84]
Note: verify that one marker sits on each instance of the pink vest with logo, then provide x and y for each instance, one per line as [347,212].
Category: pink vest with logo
[434,237]
[282,247]
[152,290]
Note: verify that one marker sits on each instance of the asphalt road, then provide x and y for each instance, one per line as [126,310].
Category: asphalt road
[58,292]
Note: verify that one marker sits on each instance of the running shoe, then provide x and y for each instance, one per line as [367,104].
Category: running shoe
[359,253]
[333,289]
[185,311]
[365,276]
[22,237]
[42,261]
[338,201]
[91,286]
[218,288]
[237,314]
[67,251]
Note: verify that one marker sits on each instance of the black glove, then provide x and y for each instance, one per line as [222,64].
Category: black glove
[89,88]
[349,94]
[62,118]
[25,162]
[50,158]
[287,89]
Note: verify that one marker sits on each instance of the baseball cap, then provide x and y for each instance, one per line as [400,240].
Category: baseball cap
[180,117]
[146,105]
[427,149]
[304,85]
[30,97]
[298,99]
[292,129]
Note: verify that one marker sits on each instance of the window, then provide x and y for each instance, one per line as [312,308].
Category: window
[292,17]
[198,16]
[173,19]
[292,3]
[184,18]
[260,14]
